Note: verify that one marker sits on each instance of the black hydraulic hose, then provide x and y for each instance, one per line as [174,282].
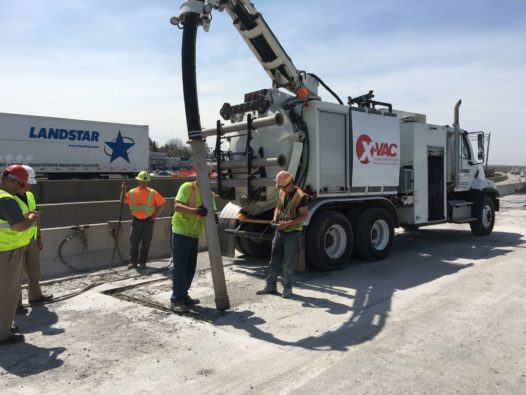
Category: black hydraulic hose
[327,87]
[97,283]
[78,230]
[188,51]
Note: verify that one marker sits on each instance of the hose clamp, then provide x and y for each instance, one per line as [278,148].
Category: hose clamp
[191,6]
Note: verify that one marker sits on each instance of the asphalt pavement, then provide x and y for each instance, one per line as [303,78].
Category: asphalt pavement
[444,313]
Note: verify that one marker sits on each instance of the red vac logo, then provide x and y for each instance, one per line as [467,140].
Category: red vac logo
[367,150]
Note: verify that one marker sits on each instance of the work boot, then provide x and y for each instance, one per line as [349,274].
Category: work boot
[269,289]
[179,307]
[41,300]
[132,266]
[287,292]
[142,265]
[190,301]
[14,338]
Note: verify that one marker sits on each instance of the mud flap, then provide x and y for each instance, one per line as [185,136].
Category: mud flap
[477,197]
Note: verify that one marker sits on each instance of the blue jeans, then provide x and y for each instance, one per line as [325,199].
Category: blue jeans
[285,251]
[184,253]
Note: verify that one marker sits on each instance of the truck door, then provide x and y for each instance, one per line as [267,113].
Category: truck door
[466,168]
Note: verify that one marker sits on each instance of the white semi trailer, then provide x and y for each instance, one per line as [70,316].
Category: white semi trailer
[63,148]
[366,167]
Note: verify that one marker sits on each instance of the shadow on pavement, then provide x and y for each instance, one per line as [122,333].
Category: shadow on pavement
[417,258]
[40,319]
[25,359]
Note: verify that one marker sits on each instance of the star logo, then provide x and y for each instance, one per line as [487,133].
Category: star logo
[119,147]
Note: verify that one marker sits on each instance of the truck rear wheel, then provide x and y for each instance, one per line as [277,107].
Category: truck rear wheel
[352,215]
[484,225]
[240,246]
[329,240]
[259,248]
[255,248]
[374,234]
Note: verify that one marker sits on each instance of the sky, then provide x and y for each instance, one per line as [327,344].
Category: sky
[120,60]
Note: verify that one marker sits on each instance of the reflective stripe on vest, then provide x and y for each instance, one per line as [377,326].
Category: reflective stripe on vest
[31,232]
[187,224]
[9,239]
[192,197]
[290,212]
[148,209]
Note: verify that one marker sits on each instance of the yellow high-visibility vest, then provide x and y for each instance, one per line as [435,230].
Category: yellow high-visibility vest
[10,239]
[289,212]
[31,232]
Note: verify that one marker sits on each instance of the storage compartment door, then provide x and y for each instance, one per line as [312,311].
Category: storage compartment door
[332,148]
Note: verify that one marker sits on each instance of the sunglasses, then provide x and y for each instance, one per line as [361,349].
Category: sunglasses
[14,178]
[284,186]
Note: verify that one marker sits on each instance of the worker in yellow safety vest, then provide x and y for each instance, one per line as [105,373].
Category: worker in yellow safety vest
[145,206]
[26,200]
[187,226]
[13,244]
[289,215]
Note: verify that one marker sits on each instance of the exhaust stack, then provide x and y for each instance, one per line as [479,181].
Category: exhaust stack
[456,144]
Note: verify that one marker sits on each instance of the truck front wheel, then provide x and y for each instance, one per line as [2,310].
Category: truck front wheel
[374,234]
[329,240]
[483,226]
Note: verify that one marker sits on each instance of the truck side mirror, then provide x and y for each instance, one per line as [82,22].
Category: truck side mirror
[480,140]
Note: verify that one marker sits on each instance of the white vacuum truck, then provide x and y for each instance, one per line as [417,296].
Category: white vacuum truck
[366,167]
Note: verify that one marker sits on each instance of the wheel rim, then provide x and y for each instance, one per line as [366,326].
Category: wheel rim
[380,234]
[487,216]
[335,241]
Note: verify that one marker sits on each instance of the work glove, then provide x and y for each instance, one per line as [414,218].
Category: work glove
[202,211]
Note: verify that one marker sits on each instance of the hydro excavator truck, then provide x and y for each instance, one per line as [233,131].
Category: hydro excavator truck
[366,167]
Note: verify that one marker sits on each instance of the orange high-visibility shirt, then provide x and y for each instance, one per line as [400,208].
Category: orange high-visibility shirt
[139,207]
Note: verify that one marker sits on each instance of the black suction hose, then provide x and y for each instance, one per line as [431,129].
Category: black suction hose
[191,102]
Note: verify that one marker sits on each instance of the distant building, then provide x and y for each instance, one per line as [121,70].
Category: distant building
[176,163]
[157,161]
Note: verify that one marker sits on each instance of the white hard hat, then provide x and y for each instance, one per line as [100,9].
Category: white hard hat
[31,180]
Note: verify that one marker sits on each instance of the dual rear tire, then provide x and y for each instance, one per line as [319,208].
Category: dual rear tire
[330,239]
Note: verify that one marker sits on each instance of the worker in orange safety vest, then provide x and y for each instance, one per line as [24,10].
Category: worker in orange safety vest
[145,206]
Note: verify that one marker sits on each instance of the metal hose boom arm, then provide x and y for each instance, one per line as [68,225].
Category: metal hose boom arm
[259,38]
[263,43]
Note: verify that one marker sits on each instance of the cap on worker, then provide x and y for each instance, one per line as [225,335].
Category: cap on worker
[283,178]
[17,173]
[31,173]
[143,176]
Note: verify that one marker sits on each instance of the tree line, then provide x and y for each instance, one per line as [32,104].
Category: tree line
[173,147]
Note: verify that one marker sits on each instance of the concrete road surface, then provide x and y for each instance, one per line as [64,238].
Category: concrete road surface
[444,313]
